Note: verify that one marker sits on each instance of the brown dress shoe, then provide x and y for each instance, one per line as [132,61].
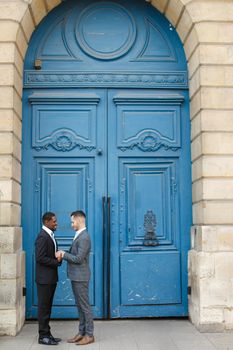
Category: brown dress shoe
[76,338]
[86,340]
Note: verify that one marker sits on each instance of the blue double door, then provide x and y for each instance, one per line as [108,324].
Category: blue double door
[122,156]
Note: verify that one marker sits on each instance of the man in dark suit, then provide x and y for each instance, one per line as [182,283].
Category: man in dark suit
[79,273]
[46,276]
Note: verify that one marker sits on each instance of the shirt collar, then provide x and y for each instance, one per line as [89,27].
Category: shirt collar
[79,231]
[50,232]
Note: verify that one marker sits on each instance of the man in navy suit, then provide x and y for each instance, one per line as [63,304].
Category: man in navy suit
[78,271]
[46,276]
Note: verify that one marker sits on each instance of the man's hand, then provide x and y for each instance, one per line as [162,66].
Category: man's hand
[59,255]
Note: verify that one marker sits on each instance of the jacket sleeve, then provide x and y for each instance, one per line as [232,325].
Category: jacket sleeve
[41,253]
[83,250]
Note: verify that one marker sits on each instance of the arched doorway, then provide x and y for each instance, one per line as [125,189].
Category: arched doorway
[106,130]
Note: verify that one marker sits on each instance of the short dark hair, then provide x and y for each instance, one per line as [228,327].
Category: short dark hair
[78,213]
[47,216]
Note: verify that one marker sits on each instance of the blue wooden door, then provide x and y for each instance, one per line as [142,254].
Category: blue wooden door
[106,130]
[148,172]
[63,172]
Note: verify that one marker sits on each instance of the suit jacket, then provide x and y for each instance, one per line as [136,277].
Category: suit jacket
[78,258]
[46,263]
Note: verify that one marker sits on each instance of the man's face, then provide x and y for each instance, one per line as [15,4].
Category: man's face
[52,223]
[75,222]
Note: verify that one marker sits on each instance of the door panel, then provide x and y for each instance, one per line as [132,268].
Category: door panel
[145,153]
[65,174]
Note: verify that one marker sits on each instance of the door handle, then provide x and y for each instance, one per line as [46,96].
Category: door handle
[106,227]
[99,152]
[108,250]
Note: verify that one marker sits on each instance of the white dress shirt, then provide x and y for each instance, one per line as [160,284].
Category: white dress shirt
[50,232]
[78,232]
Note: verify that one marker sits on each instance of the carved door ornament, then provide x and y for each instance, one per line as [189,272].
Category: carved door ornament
[150,238]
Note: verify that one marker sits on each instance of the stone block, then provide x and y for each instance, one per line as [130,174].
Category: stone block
[173,11]
[218,189]
[12,10]
[193,63]
[10,239]
[10,145]
[38,10]
[21,42]
[211,315]
[194,83]
[214,293]
[223,266]
[8,294]
[10,168]
[17,104]
[215,98]
[10,190]
[28,24]
[159,4]
[213,189]
[11,265]
[184,26]
[194,312]
[198,213]
[191,43]
[8,31]
[215,32]
[216,120]
[7,52]
[218,213]
[197,171]
[196,147]
[6,97]
[206,10]
[18,61]
[10,214]
[228,318]
[7,74]
[195,104]
[196,126]
[6,120]
[52,3]
[8,322]
[218,165]
[6,143]
[10,122]
[216,54]
[217,143]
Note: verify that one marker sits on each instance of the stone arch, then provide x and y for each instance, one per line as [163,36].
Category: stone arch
[201,24]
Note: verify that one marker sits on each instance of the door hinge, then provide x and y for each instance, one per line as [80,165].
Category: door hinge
[189,290]
[24,291]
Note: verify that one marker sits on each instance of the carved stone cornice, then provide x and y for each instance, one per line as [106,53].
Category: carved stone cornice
[106,79]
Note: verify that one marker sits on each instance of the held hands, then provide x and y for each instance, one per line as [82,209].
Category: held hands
[59,255]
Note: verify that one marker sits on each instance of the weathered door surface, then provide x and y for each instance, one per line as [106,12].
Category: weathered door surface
[106,130]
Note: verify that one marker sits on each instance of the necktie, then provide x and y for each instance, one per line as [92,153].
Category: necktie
[52,235]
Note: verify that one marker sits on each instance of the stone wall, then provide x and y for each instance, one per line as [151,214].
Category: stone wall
[206,30]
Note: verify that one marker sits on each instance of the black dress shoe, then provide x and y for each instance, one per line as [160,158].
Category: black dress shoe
[57,340]
[47,341]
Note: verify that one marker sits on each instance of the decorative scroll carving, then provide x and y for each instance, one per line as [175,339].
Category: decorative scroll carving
[107,79]
[149,142]
[63,141]
[173,186]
